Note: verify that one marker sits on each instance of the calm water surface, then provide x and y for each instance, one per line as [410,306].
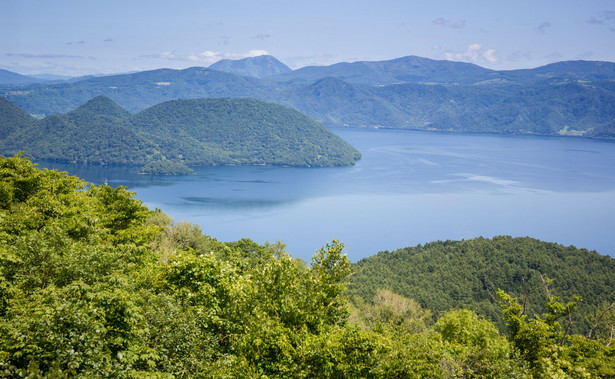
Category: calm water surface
[408,188]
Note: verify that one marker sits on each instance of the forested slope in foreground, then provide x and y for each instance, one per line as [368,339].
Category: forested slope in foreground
[468,274]
[94,284]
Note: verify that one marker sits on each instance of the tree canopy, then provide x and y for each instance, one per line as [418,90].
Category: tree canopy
[170,136]
[95,284]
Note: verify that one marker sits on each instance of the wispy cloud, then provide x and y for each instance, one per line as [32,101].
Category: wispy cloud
[519,56]
[554,56]
[605,18]
[542,28]
[46,56]
[295,62]
[262,36]
[585,55]
[459,24]
[475,53]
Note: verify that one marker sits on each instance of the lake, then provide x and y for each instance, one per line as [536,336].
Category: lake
[409,188]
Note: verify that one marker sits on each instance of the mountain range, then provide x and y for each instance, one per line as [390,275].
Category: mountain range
[565,98]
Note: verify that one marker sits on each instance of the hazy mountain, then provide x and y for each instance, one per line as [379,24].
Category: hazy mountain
[409,69]
[575,70]
[137,91]
[194,132]
[9,79]
[335,102]
[414,69]
[257,67]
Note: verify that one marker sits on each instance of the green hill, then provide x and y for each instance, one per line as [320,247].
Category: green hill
[92,133]
[12,118]
[241,131]
[183,132]
[466,274]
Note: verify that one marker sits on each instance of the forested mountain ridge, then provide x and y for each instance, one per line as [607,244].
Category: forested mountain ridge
[189,132]
[12,118]
[467,274]
[567,98]
[94,284]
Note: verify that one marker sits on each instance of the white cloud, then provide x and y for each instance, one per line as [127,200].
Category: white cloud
[209,57]
[249,54]
[206,56]
[45,56]
[489,55]
[475,53]
[167,55]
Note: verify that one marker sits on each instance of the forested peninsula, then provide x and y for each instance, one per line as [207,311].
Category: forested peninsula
[95,284]
[170,136]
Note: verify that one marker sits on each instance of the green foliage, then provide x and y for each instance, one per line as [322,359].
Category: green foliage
[547,347]
[169,136]
[390,312]
[12,118]
[93,284]
[466,274]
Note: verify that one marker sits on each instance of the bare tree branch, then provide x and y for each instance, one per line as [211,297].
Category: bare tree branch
[591,331]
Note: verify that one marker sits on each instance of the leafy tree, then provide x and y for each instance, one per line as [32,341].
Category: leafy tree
[93,284]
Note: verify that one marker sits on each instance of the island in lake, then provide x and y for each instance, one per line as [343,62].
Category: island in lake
[169,137]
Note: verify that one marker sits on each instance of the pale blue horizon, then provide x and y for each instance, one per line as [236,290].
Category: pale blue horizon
[72,37]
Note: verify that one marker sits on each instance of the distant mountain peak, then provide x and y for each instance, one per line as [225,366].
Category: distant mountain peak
[258,67]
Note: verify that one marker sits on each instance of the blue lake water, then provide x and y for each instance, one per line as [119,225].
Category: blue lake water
[409,188]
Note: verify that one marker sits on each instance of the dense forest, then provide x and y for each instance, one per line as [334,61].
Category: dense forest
[168,137]
[470,273]
[95,284]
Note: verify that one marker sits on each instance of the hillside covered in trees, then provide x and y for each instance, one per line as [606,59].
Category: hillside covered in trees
[470,272]
[94,284]
[170,136]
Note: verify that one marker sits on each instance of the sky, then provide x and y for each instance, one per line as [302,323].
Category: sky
[81,37]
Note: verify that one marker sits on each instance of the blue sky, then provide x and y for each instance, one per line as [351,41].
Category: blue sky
[92,37]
